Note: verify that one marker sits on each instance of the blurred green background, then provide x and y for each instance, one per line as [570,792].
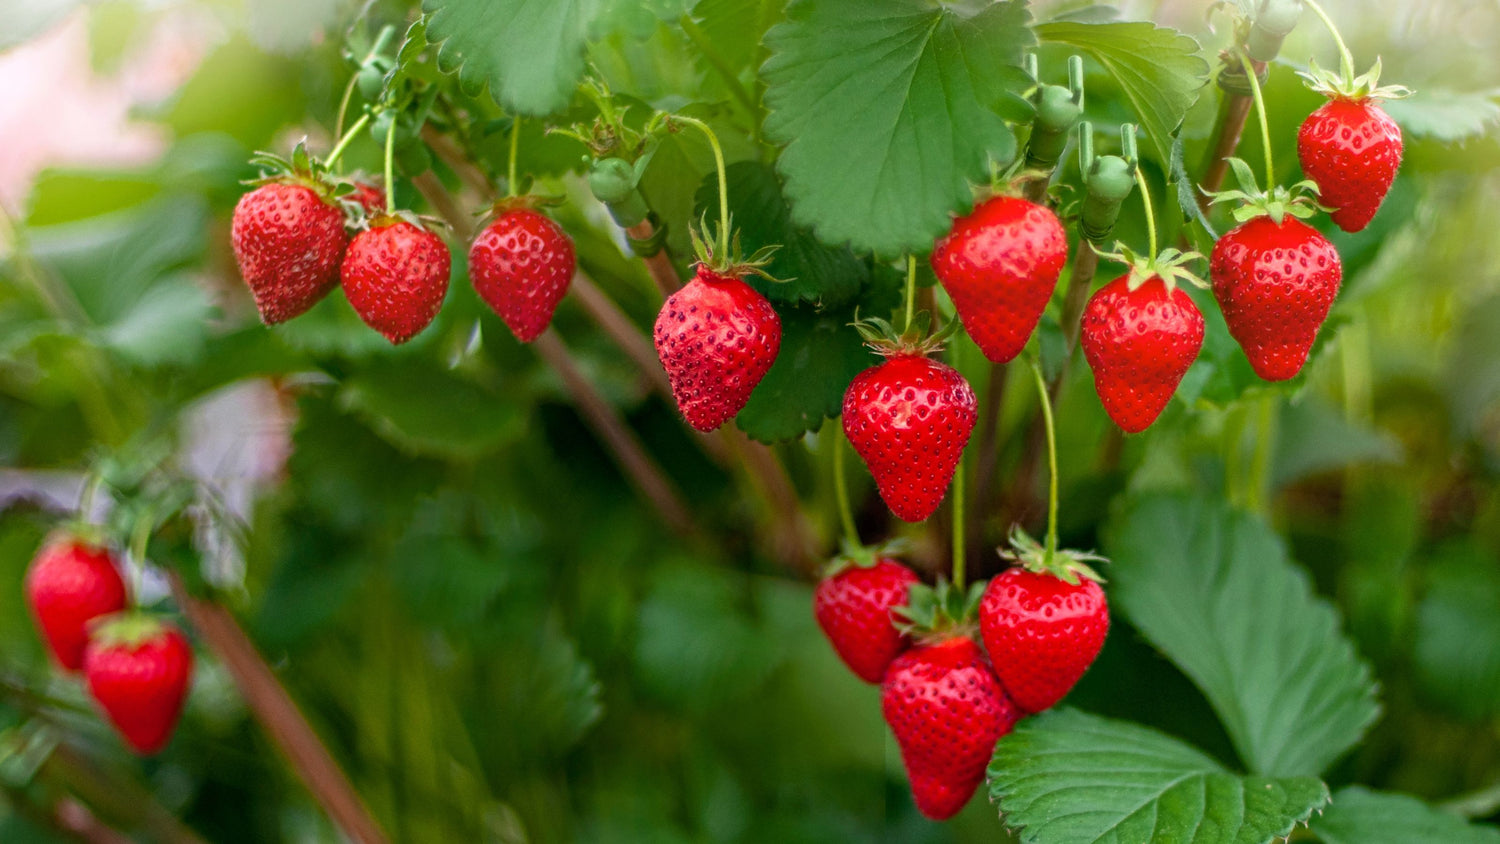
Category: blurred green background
[493,633]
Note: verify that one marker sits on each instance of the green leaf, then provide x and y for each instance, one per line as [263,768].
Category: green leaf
[1361,816]
[683,159]
[167,325]
[529,52]
[1067,777]
[890,110]
[1446,116]
[820,354]
[736,27]
[1458,632]
[813,273]
[427,410]
[1472,374]
[1212,589]
[1312,437]
[1159,69]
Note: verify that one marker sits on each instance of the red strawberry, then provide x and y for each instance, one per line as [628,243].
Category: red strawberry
[947,710]
[70,583]
[369,197]
[854,609]
[1042,633]
[521,265]
[1139,343]
[1000,265]
[288,240]
[716,338]
[1352,149]
[137,670]
[1275,284]
[395,275]
[910,418]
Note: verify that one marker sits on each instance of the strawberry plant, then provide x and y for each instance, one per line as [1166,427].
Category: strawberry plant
[433,420]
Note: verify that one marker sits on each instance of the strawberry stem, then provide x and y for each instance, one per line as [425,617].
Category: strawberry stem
[139,538]
[959,550]
[344,139]
[713,142]
[911,290]
[1346,60]
[841,491]
[1042,396]
[1140,181]
[390,169]
[381,40]
[515,144]
[1260,113]
[1260,462]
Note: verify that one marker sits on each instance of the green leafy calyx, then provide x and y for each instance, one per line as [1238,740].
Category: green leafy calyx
[1170,265]
[936,613]
[883,338]
[1065,565]
[125,629]
[1299,200]
[734,264]
[1343,86]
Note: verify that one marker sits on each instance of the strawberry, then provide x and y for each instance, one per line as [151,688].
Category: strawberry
[1275,283]
[854,606]
[1349,146]
[1352,149]
[521,265]
[1042,633]
[1000,265]
[288,239]
[1140,334]
[946,710]
[137,670]
[70,583]
[716,338]
[368,197]
[395,275]
[909,418]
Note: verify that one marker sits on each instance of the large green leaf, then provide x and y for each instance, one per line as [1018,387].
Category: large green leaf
[1067,777]
[426,410]
[1361,816]
[1158,69]
[1213,590]
[813,273]
[529,52]
[890,110]
[820,354]
[1458,632]
[1447,116]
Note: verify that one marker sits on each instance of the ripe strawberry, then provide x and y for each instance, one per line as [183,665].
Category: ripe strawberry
[716,338]
[369,197]
[1139,342]
[1275,284]
[137,670]
[909,418]
[288,240]
[946,710]
[395,275]
[521,265]
[1042,633]
[1352,149]
[854,606]
[1000,265]
[69,584]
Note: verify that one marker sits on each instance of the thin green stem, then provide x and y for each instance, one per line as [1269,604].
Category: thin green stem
[90,492]
[346,137]
[1044,397]
[911,289]
[515,146]
[1140,182]
[841,491]
[338,124]
[139,539]
[390,169]
[1234,423]
[1260,463]
[713,142]
[959,550]
[1260,113]
[1346,60]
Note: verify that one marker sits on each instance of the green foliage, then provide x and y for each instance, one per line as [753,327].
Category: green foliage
[528,52]
[858,89]
[1212,590]
[1361,816]
[1458,632]
[1067,776]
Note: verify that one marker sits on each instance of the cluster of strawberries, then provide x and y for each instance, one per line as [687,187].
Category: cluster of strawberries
[135,667]
[292,243]
[947,700]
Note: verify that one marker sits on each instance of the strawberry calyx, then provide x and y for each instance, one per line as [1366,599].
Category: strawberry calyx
[1344,85]
[76,531]
[1299,200]
[858,555]
[524,202]
[882,338]
[937,613]
[734,264]
[1169,265]
[128,629]
[1066,565]
[301,169]
[403,215]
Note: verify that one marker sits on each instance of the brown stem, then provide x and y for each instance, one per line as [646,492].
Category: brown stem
[75,819]
[793,539]
[988,455]
[1227,130]
[658,265]
[1035,190]
[458,162]
[642,470]
[1080,281]
[614,323]
[278,716]
[121,802]
[443,202]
